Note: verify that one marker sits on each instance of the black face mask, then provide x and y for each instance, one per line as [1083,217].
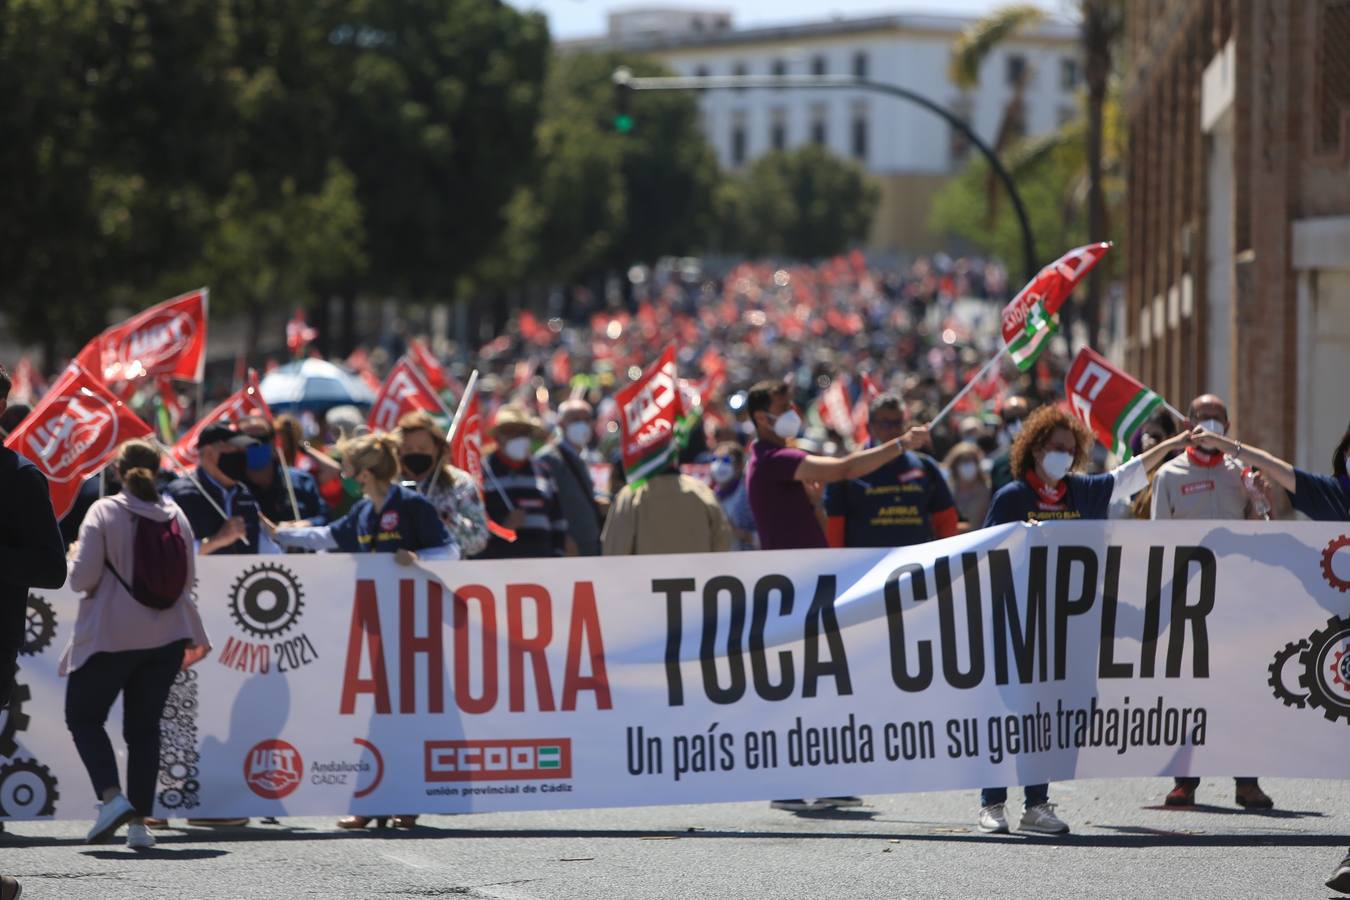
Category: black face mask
[418,463]
[233,465]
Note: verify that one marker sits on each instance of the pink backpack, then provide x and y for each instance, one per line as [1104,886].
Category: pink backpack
[159,564]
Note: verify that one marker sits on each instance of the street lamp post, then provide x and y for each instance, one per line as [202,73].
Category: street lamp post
[625,81]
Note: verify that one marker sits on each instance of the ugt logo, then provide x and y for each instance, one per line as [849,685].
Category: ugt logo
[1323,669]
[273,769]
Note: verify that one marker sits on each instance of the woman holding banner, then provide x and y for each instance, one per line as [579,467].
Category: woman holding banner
[1050,445]
[388,518]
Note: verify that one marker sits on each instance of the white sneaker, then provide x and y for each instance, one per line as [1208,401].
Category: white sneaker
[1042,820]
[139,837]
[993,820]
[798,804]
[111,816]
[844,802]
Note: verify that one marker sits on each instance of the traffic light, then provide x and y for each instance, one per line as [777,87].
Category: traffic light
[623,92]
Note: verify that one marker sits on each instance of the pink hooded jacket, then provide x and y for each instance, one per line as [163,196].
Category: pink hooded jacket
[110,619]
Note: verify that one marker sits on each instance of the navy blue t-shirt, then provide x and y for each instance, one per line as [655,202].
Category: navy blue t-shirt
[893,506]
[1322,498]
[407,521]
[1085,497]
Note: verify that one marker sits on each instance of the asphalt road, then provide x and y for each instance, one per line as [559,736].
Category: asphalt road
[1124,845]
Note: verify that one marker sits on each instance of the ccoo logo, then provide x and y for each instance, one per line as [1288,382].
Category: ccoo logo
[273,769]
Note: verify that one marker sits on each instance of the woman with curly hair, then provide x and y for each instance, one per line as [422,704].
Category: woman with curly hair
[1050,445]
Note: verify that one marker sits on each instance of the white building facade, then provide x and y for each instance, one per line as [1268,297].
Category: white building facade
[909,150]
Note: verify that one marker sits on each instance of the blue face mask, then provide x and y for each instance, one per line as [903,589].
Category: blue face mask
[258,457]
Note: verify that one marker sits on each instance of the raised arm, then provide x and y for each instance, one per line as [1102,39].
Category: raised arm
[862,462]
[1274,468]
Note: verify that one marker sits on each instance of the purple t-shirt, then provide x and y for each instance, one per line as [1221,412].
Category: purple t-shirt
[784,516]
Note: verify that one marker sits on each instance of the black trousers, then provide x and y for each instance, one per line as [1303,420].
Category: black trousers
[143,678]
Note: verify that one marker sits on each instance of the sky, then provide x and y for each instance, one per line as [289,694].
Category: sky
[587,18]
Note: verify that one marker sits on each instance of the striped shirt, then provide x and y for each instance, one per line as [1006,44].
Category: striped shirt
[528,488]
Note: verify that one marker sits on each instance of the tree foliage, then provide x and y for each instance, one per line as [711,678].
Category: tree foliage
[804,203]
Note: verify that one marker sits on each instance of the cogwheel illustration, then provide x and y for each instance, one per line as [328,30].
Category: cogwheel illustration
[27,790]
[266,600]
[40,627]
[14,719]
[1340,584]
[1276,682]
[171,798]
[1325,671]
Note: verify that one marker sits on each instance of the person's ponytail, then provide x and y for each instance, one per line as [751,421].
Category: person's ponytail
[137,463]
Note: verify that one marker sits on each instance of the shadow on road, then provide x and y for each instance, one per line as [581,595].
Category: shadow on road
[1231,811]
[157,853]
[179,846]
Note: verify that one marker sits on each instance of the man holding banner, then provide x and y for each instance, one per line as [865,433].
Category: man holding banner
[220,507]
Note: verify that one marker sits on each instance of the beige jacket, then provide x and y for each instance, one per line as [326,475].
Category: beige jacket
[109,618]
[671,513]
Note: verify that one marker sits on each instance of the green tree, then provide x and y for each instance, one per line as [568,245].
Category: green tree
[804,203]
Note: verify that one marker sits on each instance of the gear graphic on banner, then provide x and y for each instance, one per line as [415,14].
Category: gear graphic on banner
[1328,560]
[1277,683]
[14,719]
[266,600]
[1325,669]
[178,755]
[39,626]
[27,790]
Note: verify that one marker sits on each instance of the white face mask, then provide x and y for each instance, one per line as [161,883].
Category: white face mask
[967,469]
[1056,464]
[1214,426]
[722,472]
[517,448]
[578,434]
[787,425]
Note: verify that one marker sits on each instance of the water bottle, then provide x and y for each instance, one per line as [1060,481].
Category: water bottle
[1258,497]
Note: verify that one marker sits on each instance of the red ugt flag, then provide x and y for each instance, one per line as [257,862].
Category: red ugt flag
[466,449]
[168,340]
[73,433]
[404,391]
[247,401]
[649,409]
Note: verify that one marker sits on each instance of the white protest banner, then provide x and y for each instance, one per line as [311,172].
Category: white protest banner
[1013,655]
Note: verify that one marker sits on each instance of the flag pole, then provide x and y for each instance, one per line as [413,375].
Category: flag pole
[462,407]
[173,464]
[970,385]
[286,476]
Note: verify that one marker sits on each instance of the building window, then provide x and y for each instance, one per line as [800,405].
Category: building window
[860,65]
[859,134]
[701,72]
[819,66]
[820,133]
[740,70]
[778,129]
[738,139]
[1068,73]
[779,68]
[958,144]
[1016,70]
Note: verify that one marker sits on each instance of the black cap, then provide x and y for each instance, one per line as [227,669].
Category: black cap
[216,434]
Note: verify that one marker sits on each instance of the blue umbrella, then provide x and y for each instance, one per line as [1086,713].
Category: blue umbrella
[314,385]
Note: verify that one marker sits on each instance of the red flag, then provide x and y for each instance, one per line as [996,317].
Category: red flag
[247,401]
[359,362]
[649,409]
[1107,400]
[431,366]
[27,383]
[466,449]
[1049,289]
[560,367]
[168,339]
[73,433]
[870,391]
[404,391]
[299,334]
[834,407]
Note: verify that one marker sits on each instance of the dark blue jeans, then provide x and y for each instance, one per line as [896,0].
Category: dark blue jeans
[143,678]
[1035,795]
